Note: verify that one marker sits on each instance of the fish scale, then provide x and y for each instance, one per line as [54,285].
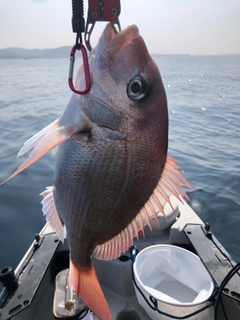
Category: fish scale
[119,200]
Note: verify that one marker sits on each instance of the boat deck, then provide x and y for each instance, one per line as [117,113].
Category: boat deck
[36,273]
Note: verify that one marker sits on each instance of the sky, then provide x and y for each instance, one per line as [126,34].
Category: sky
[197,27]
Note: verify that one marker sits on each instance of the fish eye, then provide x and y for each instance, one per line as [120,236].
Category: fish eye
[136,88]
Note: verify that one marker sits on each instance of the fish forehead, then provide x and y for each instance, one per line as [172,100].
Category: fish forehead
[112,65]
[111,73]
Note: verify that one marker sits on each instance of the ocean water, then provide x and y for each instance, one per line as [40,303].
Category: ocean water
[204,136]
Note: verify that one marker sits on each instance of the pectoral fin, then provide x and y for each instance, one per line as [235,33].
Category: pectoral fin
[50,211]
[47,139]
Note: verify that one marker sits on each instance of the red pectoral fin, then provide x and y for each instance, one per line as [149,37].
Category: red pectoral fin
[50,211]
[47,139]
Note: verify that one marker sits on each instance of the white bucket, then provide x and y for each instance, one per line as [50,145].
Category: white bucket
[176,278]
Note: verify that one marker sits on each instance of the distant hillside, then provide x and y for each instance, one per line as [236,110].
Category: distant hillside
[19,53]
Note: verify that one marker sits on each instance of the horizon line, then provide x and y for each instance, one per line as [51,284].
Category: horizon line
[152,53]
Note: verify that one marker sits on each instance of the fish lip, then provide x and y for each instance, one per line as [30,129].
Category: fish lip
[121,39]
[110,44]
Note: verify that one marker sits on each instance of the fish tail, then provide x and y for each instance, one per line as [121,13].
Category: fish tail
[85,282]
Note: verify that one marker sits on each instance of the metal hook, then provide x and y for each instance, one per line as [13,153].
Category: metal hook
[79,46]
[102,10]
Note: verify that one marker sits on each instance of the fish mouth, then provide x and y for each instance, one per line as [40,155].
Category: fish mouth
[116,42]
[122,38]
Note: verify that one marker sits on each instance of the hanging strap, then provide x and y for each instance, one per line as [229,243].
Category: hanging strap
[78,27]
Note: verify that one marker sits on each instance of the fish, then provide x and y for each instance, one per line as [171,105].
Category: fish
[112,175]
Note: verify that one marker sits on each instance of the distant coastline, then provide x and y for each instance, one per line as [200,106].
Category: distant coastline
[20,53]
[61,52]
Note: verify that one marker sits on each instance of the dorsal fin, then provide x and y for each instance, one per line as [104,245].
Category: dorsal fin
[171,183]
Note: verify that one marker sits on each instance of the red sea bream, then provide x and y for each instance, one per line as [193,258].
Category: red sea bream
[112,174]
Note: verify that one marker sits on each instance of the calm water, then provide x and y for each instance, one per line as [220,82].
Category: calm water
[204,110]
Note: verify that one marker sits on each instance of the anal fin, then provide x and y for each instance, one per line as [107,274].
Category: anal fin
[171,183]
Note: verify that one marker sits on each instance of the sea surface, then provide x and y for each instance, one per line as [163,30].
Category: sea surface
[204,136]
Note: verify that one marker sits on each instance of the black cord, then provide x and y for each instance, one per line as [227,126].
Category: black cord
[78,22]
[228,277]
[83,313]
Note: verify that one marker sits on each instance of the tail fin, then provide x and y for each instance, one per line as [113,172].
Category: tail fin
[85,282]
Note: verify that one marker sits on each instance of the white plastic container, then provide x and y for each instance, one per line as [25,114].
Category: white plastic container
[176,278]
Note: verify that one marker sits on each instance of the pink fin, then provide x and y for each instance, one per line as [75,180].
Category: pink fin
[50,211]
[33,141]
[171,183]
[45,140]
[85,282]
